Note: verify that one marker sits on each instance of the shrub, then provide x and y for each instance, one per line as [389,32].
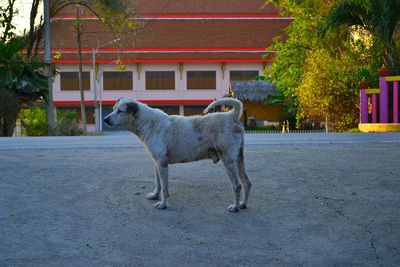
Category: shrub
[34,121]
[67,124]
[353,130]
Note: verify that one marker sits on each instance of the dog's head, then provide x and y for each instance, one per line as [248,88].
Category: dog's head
[123,113]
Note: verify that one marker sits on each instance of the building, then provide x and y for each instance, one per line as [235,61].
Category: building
[253,94]
[183,55]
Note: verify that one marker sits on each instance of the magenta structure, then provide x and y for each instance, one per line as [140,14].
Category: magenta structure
[375,105]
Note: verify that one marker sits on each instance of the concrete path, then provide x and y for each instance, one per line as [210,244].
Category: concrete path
[318,200]
[127,139]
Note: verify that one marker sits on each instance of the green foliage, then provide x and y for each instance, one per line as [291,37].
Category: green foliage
[114,14]
[6,16]
[329,90]
[21,82]
[67,123]
[353,130]
[34,121]
[318,74]
[287,67]
[379,17]
[21,75]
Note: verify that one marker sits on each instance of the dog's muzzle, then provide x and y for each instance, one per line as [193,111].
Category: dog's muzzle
[107,121]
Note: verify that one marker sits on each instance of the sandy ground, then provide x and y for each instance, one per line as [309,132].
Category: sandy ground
[311,205]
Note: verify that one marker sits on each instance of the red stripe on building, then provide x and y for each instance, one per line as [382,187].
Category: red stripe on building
[226,15]
[185,16]
[179,60]
[149,102]
[162,49]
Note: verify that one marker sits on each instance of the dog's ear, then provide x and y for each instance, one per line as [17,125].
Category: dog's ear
[116,103]
[131,108]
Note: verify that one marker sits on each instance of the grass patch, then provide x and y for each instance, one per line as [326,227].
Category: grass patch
[353,130]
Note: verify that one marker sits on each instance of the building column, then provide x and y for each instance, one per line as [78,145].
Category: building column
[383,101]
[396,102]
[363,106]
[374,108]
[181,110]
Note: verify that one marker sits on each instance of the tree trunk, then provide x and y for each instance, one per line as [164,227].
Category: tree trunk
[47,59]
[388,59]
[7,128]
[81,89]
[326,124]
[9,109]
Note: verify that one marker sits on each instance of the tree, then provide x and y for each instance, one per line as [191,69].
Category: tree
[111,13]
[21,82]
[329,90]
[379,17]
[287,69]
[319,74]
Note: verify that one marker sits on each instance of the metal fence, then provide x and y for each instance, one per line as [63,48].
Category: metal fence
[278,131]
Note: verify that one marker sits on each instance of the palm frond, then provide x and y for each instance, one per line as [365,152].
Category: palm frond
[348,12]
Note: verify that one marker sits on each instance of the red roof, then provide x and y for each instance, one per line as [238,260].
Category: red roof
[177,31]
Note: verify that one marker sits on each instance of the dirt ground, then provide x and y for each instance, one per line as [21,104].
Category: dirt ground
[311,205]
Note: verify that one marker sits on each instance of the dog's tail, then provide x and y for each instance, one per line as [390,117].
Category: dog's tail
[236,105]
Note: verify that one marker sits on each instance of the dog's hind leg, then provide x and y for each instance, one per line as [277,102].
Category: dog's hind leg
[163,174]
[155,195]
[245,180]
[231,167]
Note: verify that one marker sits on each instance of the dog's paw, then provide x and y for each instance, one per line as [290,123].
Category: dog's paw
[153,196]
[233,208]
[243,205]
[160,205]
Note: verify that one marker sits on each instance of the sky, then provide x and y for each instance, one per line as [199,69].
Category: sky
[21,21]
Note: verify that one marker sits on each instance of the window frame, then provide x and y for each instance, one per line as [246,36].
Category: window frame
[74,86]
[129,76]
[166,81]
[243,78]
[198,83]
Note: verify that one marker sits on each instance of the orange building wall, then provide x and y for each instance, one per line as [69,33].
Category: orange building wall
[263,113]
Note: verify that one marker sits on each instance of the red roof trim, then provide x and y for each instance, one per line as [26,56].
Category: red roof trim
[149,102]
[189,16]
[177,60]
[162,49]
[222,15]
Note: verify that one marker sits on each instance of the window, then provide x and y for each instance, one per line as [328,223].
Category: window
[117,80]
[160,80]
[201,80]
[69,81]
[243,75]
[170,110]
[194,110]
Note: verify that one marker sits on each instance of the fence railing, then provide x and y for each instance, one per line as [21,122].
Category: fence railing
[278,131]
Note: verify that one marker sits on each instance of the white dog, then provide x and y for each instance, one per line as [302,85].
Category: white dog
[178,139]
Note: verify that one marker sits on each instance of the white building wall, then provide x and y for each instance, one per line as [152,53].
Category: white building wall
[139,83]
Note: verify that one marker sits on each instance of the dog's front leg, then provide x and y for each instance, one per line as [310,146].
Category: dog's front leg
[163,174]
[156,193]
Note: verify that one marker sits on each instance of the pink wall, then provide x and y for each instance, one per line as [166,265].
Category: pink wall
[139,92]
